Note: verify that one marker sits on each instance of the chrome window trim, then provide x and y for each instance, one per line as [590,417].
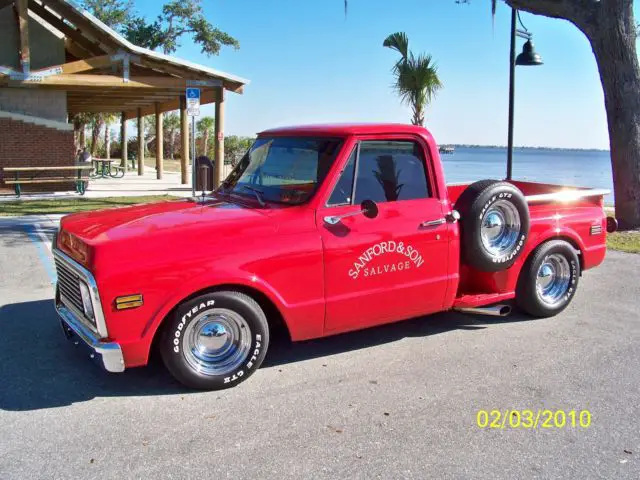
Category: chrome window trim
[101,326]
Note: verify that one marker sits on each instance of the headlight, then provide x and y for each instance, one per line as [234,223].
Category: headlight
[87,304]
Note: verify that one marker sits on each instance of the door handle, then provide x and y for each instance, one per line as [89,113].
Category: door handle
[335,219]
[452,217]
[433,223]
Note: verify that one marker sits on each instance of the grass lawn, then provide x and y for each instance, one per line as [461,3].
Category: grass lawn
[624,241]
[64,205]
[168,165]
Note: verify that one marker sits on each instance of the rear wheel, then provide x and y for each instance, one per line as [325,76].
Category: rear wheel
[216,340]
[549,279]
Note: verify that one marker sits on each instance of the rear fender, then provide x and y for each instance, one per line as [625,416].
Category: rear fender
[558,233]
[505,281]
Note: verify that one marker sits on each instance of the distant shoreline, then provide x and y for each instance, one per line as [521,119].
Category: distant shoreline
[503,147]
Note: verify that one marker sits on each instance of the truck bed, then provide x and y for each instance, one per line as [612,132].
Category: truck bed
[542,192]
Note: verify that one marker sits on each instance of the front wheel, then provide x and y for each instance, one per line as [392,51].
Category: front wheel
[216,340]
[549,279]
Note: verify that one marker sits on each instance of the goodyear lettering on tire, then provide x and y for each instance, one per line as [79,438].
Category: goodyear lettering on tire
[187,316]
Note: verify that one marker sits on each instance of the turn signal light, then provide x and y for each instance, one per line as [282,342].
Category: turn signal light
[129,301]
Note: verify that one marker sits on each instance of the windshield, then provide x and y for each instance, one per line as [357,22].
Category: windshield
[284,170]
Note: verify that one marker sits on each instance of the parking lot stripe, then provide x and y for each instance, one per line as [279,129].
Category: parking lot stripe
[37,237]
[43,237]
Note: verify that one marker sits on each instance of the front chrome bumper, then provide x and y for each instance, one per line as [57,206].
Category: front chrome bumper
[76,327]
[108,354]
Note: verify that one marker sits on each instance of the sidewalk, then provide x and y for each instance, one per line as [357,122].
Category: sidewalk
[131,185]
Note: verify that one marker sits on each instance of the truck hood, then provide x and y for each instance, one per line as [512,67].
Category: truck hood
[157,218]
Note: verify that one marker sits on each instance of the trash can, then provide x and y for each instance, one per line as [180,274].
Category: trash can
[204,174]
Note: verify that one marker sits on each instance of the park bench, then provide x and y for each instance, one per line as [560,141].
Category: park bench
[34,175]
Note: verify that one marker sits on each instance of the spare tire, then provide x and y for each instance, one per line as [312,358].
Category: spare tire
[494,219]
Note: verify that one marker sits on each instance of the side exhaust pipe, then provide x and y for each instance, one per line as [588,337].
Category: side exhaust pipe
[495,310]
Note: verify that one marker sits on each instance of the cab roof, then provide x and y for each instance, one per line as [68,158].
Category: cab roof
[344,129]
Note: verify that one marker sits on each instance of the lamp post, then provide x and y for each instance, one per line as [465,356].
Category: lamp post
[528,57]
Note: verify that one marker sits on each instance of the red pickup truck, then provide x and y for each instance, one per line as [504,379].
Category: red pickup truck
[322,230]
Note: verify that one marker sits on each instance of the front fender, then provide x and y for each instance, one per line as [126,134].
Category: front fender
[206,282]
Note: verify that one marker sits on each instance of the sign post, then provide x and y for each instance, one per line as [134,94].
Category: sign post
[193,110]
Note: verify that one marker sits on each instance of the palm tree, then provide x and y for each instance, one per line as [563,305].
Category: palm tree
[96,123]
[416,77]
[205,126]
[171,124]
[109,119]
[79,121]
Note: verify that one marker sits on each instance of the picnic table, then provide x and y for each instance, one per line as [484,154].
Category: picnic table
[105,168]
[31,175]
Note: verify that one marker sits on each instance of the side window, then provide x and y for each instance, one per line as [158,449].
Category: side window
[390,171]
[342,191]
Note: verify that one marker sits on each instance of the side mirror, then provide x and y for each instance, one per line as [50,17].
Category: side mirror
[369,208]
[452,217]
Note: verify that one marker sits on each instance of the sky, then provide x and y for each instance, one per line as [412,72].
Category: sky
[308,63]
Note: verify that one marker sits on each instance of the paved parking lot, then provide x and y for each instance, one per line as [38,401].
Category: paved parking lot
[398,401]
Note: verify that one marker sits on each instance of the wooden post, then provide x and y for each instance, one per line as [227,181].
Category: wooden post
[23,27]
[159,142]
[184,135]
[123,140]
[140,142]
[218,176]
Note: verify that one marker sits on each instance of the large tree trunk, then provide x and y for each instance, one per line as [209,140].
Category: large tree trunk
[614,45]
[609,26]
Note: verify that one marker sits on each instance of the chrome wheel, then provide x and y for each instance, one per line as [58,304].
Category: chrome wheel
[500,228]
[554,278]
[217,341]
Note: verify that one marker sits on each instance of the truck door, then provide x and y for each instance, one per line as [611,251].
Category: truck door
[393,266]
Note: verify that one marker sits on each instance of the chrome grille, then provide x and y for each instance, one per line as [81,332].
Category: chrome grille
[69,288]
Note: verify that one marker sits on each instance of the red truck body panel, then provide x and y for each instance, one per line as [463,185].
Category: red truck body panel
[288,256]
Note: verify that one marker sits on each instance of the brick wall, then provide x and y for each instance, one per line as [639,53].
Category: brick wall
[25,144]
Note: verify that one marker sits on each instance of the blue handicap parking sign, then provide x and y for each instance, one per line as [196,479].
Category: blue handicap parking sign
[193,93]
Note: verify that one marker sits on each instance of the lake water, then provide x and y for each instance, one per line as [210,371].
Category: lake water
[565,167]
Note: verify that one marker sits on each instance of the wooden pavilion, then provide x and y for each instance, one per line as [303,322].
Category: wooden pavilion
[57,60]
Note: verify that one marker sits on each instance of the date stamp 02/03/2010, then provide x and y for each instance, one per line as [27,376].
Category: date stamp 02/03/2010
[533,419]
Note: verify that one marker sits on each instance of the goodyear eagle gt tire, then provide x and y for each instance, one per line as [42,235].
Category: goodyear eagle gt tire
[549,279]
[494,224]
[215,341]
